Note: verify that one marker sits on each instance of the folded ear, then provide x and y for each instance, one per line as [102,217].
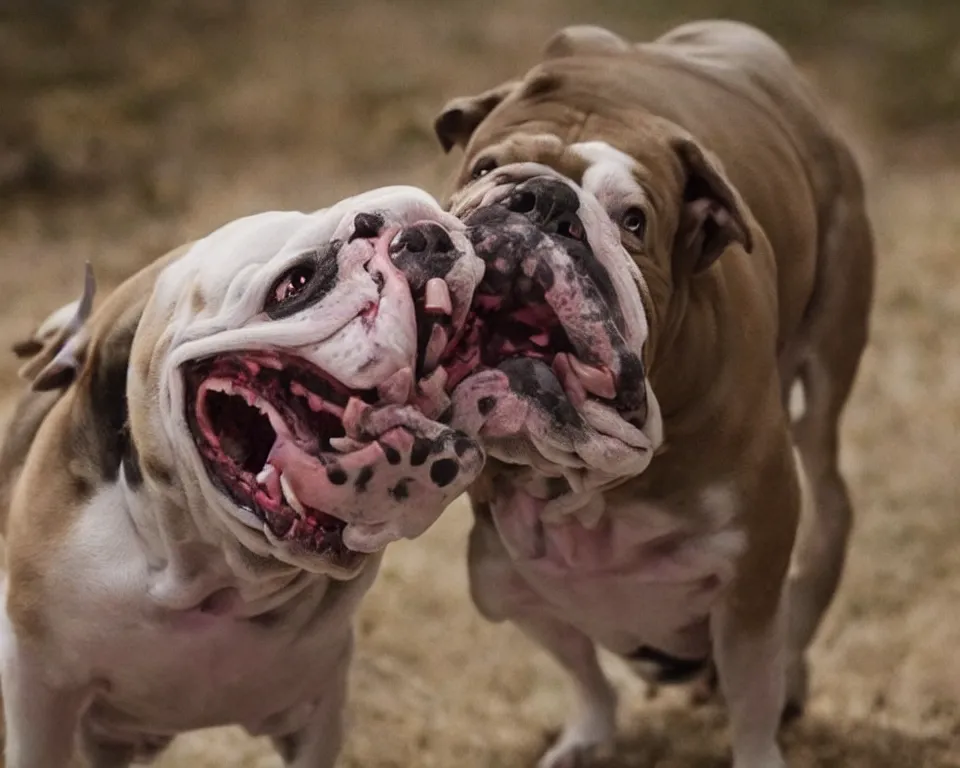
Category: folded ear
[584,40]
[58,347]
[460,117]
[712,214]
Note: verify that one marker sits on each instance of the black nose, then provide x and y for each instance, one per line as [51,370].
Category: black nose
[548,203]
[426,238]
[422,251]
[366,225]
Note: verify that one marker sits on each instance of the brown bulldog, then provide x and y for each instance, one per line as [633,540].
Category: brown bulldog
[679,276]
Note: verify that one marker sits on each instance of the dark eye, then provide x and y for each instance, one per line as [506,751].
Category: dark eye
[634,221]
[482,167]
[290,284]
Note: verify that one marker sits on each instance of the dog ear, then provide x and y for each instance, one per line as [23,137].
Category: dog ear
[712,214]
[584,40]
[57,348]
[460,117]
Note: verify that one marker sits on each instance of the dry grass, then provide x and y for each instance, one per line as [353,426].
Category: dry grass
[123,133]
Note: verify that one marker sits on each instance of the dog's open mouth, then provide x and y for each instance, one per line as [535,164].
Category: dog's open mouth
[244,410]
[539,300]
[517,320]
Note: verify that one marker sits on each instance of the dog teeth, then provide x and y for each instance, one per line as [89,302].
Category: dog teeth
[542,339]
[355,417]
[345,444]
[598,381]
[266,473]
[435,346]
[438,297]
[291,497]
[397,388]
[563,369]
[435,381]
[314,402]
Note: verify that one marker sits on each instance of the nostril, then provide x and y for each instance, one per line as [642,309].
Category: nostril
[522,202]
[412,240]
[366,225]
[442,242]
[570,226]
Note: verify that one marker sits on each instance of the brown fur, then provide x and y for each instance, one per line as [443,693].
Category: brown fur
[727,344]
[60,445]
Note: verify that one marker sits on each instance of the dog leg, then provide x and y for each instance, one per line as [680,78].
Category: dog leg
[820,388]
[102,753]
[750,664]
[500,594]
[318,743]
[41,720]
[590,731]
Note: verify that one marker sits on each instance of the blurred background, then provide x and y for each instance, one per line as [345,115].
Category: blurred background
[128,128]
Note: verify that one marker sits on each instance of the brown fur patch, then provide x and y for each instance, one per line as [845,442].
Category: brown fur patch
[62,446]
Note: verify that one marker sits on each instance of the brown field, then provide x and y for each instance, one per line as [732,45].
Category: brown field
[127,128]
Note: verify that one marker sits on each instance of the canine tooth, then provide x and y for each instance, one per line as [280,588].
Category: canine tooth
[266,473]
[436,380]
[345,444]
[568,379]
[438,296]
[435,347]
[599,381]
[291,497]
[354,417]
[397,388]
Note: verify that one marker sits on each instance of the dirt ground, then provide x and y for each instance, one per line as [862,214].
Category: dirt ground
[127,128]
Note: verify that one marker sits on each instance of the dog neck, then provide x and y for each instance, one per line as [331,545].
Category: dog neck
[196,565]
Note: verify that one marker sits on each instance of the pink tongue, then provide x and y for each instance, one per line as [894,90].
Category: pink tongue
[400,471]
[331,486]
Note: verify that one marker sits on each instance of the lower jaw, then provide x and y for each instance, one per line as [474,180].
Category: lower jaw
[333,559]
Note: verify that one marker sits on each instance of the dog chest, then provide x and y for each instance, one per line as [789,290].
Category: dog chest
[642,575]
[161,671]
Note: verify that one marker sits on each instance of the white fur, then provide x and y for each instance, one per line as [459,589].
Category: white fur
[233,268]
[797,406]
[165,608]
[609,175]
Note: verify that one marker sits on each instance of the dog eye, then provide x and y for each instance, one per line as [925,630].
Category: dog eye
[482,167]
[634,221]
[290,284]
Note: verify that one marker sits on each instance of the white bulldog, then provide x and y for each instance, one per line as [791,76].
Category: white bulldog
[199,483]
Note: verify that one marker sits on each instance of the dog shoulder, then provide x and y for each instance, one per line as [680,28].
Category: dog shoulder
[68,437]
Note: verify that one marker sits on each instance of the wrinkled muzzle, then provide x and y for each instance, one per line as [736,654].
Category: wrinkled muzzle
[549,373]
[323,417]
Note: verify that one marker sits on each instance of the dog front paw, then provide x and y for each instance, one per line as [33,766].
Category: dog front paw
[583,742]
[574,755]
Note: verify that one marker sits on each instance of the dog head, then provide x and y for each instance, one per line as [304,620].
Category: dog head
[280,376]
[594,216]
